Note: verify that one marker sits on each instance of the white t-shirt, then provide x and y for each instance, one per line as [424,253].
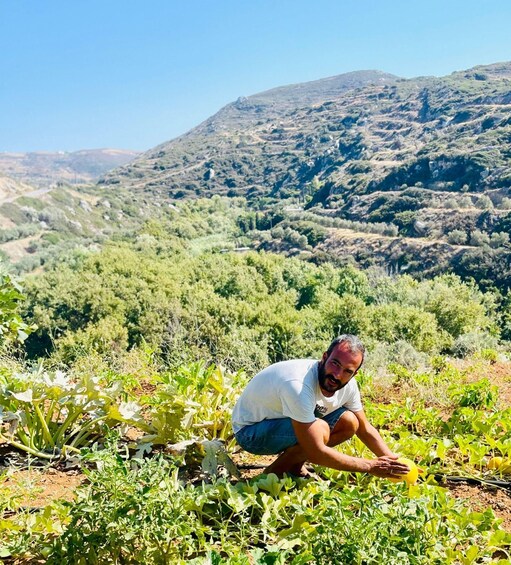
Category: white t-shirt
[290,389]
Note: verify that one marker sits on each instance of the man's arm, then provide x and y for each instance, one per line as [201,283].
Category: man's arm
[370,436]
[313,437]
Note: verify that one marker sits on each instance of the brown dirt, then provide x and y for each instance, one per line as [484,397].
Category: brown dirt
[17,249]
[498,374]
[481,498]
[40,487]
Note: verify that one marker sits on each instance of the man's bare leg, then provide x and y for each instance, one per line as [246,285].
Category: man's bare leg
[293,459]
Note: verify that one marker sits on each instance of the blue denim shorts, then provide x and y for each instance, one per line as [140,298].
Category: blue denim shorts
[270,437]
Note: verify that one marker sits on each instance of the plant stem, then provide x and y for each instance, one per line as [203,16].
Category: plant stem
[71,418]
[85,428]
[44,426]
[31,450]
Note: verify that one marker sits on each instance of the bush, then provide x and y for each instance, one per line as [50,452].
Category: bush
[457,237]
[348,315]
[106,337]
[484,202]
[13,330]
[458,307]
[499,239]
[393,322]
[402,353]
[479,238]
[472,343]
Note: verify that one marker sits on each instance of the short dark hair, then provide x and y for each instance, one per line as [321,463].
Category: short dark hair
[353,342]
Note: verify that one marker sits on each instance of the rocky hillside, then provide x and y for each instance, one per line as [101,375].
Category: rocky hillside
[247,148]
[355,135]
[45,169]
[426,158]
[11,189]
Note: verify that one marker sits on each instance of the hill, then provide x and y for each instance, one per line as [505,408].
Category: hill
[426,158]
[44,169]
[357,134]
[411,175]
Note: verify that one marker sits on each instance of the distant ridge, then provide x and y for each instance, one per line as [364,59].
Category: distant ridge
[495,71]
[45,168]
[284,98]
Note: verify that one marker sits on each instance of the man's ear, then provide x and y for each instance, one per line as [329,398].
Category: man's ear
[358,368]
[325,357]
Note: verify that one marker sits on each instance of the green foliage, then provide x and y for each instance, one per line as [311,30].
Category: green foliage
[402,353]
[472,343]
[393,322]
[481,394]
[457,237]
[499,239]
[49,415]
[107,337]
[353,281]
[14,213]
[12,328]
[144,513]
[18,232]
[348,314]
[458,307]
[119,284]
[479,238]
[315,234]
[240,310]
[193,402]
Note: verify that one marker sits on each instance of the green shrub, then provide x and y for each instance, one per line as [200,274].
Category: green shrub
[14,212]
[472,343]
[50,415]
[106,337]
[457,237]
[489,354]
[142,513]
[393,322]
[13,329]
[381,355]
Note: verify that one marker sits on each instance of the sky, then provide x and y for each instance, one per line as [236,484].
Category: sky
[131,74]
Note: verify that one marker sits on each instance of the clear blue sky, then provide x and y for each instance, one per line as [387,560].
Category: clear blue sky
[82,74]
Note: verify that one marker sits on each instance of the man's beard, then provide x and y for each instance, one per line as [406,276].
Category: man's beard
[325,383]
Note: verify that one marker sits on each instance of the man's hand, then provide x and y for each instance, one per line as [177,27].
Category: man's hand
[388,467]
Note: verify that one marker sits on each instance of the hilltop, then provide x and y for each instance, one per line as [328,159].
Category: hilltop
[356,134]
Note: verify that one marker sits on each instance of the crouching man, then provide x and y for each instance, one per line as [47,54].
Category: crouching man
[302,408]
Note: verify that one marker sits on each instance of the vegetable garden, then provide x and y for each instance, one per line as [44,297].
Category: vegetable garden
[111,393]
[174,494]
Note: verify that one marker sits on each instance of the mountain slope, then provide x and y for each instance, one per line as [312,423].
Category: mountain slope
[248,129]
[375,133]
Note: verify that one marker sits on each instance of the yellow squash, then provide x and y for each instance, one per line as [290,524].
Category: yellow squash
[499,464]
[411,477]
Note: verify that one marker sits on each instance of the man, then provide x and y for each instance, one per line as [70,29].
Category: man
[303,408]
